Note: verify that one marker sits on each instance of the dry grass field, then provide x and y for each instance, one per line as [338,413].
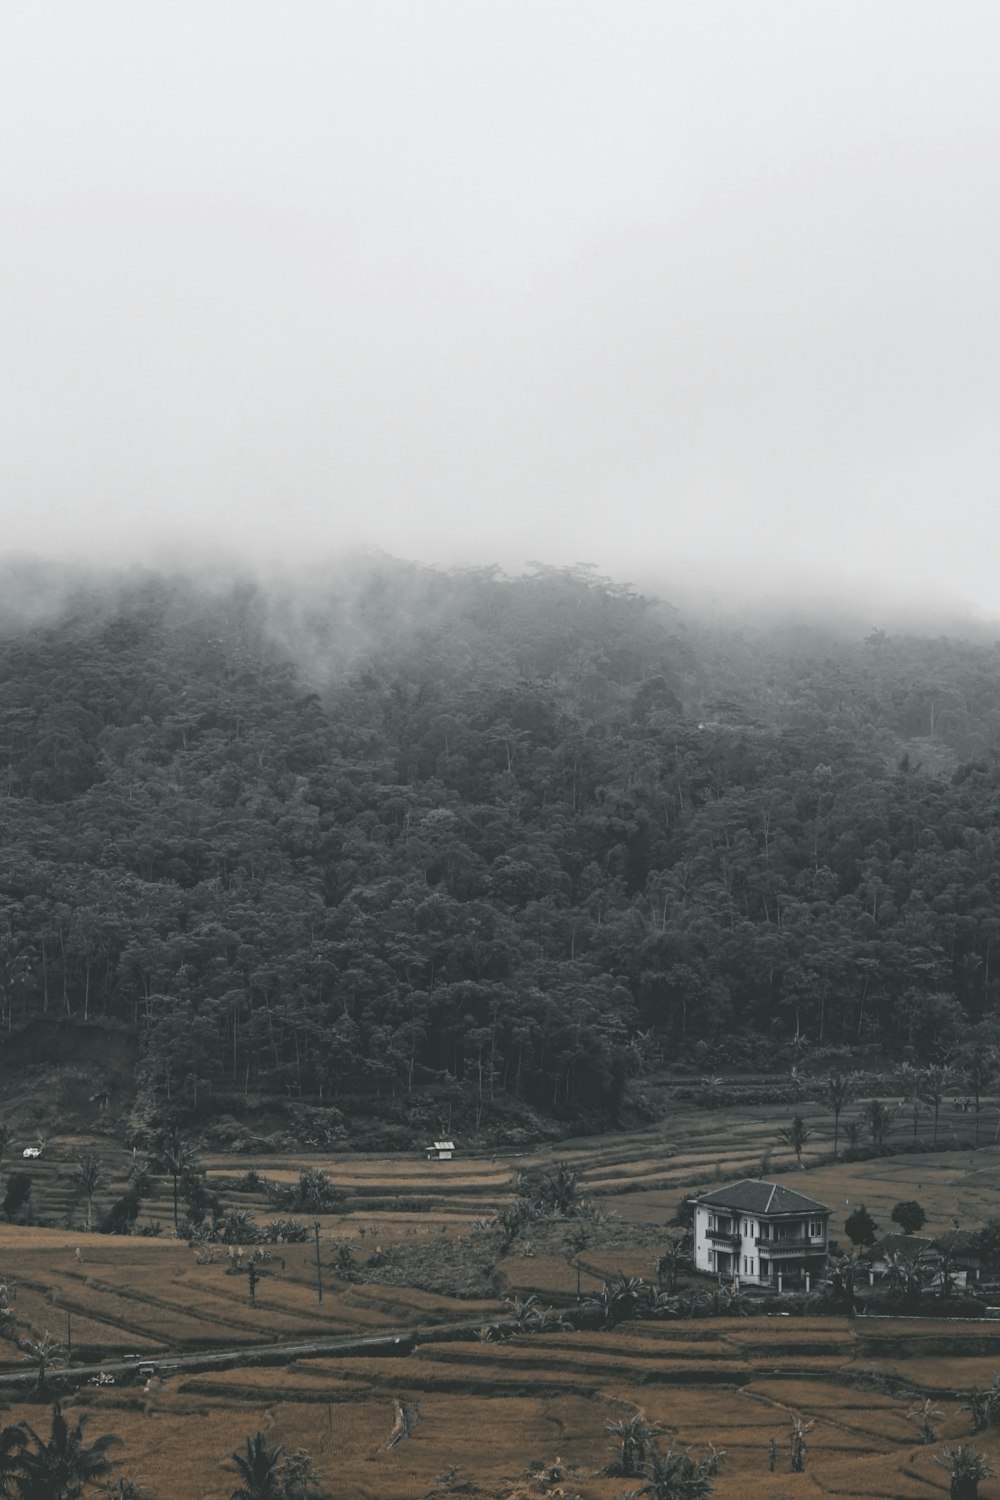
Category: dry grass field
[490,1411]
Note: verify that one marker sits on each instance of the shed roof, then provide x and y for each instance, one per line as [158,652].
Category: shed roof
[755,1197]
[909,1246]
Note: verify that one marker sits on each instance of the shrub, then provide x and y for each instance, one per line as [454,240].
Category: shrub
[17,1199]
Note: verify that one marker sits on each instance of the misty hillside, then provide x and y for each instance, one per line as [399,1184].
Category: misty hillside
[422,836]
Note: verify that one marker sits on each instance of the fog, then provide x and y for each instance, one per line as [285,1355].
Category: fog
[704,295]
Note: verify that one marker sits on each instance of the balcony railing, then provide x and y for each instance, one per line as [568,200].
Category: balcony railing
[723,1237]
[770,1248]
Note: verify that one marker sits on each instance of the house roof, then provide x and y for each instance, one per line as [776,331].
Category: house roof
[755,1197]
[956,1242]
[909,1246]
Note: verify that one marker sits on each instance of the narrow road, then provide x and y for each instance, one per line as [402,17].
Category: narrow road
[396,1342]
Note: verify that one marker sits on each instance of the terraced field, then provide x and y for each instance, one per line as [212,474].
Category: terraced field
[489,1411]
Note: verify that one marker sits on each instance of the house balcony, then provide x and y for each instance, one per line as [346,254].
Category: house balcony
[723,1237]
[775,1249]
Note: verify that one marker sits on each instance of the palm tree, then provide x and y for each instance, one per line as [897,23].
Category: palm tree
[180,1159]
[61,1468]
[12,1440]
[878,1118]
[965,1468]
[979,1062]
[259,1468]
[837,1091]
[935,1083]
[90,1176]
[795,1135]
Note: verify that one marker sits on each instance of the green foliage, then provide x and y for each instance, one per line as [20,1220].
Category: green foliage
[966,1469]
[431,842]
[860,1227]
[909,1215]
[17,1198]
[62,1466]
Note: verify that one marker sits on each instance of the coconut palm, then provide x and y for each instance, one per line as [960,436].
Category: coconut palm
[179,1158]
[935,1083]
[965,1468]
[90,1177]
[795,1136]
[62,1467]
[878,1118]
[12,1441]
[259,1469]
[837,1092]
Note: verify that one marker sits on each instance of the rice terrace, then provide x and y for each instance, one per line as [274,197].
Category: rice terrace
[460,1349]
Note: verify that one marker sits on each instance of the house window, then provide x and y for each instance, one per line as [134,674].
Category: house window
[815,1228]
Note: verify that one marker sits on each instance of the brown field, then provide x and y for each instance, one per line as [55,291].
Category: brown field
[489,1409]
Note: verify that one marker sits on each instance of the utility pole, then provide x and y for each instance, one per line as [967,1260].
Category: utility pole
[69,1332]
[319,1268]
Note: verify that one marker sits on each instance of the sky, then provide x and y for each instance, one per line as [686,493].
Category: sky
[691,291]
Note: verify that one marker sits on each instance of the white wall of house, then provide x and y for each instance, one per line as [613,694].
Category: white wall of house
[807,1235]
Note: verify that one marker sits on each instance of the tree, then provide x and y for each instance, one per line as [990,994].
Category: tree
[64,1466]
[978,1061]
[678,1476]
[43,1351]
[179,1158]
[878,1118]
[966,1468]
[797,1443]
[259,1469]
[12,1441]
[844,1272]
[90,1177]
[909,1215]
[17,1198]
[795,1135]
[674,1259]
[837,1092]
[860,1227]
[935,1083]
[927,1415]
[634,1438]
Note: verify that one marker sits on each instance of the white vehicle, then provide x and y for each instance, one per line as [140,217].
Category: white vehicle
[32,1151]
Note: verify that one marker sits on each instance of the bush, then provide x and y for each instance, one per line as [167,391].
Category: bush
[121,1216]
[17,1199]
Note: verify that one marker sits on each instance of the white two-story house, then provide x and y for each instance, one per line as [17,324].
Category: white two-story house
[762,1234]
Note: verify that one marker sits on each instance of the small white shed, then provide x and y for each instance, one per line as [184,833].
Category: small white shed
[441,1151]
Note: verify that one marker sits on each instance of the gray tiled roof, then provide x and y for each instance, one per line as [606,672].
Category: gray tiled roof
[754,1197]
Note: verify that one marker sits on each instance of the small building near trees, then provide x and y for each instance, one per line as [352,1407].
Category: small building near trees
[441,1151]
[761,1234]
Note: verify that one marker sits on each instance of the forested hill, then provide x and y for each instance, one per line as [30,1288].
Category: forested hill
[505,836]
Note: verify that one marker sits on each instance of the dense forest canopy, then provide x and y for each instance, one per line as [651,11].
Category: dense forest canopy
[501,834]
